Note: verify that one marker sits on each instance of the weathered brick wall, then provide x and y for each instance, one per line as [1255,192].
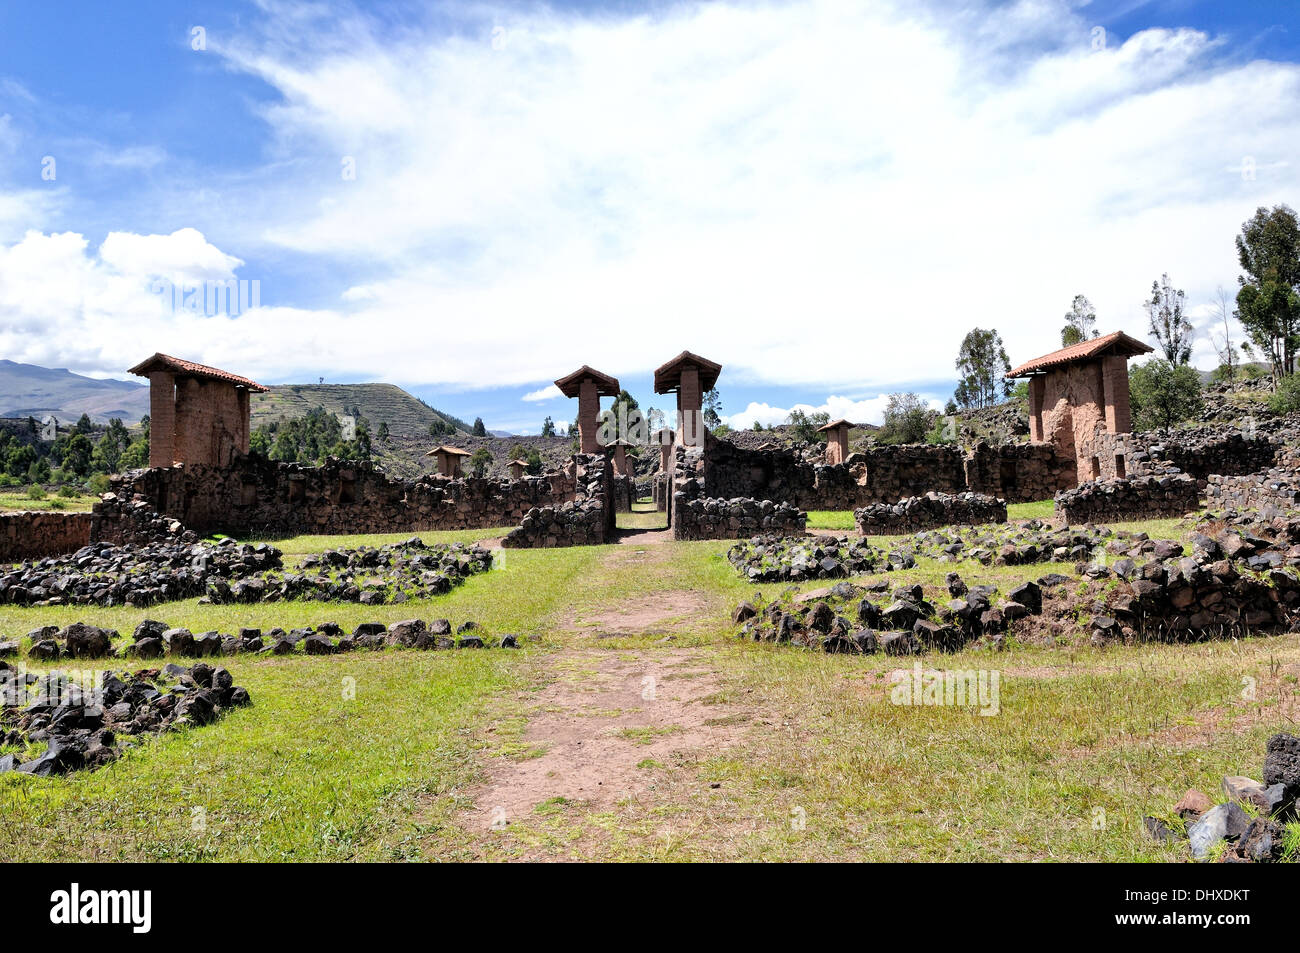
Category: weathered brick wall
[931,511]
[37,534]
[256,496]
[1270,489]
[1146,497]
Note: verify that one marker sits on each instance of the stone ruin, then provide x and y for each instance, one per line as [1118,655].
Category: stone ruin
[1080,453]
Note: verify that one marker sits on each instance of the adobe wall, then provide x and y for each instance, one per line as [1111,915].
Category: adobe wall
[1073,408]
[257,496]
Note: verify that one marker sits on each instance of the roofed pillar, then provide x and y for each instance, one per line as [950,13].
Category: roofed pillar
[588,385]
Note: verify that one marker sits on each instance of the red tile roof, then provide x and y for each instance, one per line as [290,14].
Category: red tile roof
[835,423]
[571,384]
[165,362]
[1115,343]
[668,376]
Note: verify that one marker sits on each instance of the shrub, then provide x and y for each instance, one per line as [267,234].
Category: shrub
[1163,394]
[67,490]
[36,492]
[99,483]
[1286,399]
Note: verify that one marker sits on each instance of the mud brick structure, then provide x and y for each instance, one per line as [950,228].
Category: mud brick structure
[589,386]
[929,512]
[659,491]
[517,468]
[837,441]
[1077,392]
[448,460]
[1148,497]
[1268,491]
[197,414]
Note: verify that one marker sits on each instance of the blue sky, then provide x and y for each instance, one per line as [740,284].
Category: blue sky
[823,197]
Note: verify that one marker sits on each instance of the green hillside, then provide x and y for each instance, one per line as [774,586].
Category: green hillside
[406,416]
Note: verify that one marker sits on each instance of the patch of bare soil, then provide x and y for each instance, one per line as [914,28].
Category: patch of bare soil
[649,614]
[599,733]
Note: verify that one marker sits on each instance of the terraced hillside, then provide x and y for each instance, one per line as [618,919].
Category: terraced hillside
[405,415]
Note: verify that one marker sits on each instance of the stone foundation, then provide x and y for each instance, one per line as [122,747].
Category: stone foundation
[931,511]
[1150,497]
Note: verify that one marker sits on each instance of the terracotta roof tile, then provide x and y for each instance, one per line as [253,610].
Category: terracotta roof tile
[165,362]
[1117,342]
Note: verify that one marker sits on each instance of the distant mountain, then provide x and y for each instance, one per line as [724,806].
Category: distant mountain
[27,390]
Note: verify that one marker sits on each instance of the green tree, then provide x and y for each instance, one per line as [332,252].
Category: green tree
[479,429]
[548,427]
[382,432]
[804,426]
[480,461]
[983,364]
[1167,324]
[1163,394]
[712,408]
[85,425]
[1080,322]
[1268,302]
[907,420]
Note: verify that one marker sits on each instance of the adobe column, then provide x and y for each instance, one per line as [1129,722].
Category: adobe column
[588,413]
[1114,382]
[1037,384]
[162,419]
[690,405]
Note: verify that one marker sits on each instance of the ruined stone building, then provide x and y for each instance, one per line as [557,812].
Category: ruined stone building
[197,414]
[1078,396]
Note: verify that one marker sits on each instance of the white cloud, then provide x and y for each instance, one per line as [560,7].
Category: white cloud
[549,392]
[871,411]
[814,194]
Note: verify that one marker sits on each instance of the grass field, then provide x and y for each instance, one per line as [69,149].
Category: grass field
[17,502]
[741,751]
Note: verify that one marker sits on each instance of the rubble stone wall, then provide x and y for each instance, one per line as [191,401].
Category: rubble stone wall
[1269,489]
[931,511]
[256,496]
[37,534]
[1147,497]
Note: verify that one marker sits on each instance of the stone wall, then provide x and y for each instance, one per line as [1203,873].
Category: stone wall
[1018,472]
[1268,490]
[1147,497]
[36,534]
[709,518]
[257,496]
[586,520]
[931,511]
[885,474]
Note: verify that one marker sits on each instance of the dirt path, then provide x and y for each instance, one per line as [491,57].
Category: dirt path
[597,732]
[612,729]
